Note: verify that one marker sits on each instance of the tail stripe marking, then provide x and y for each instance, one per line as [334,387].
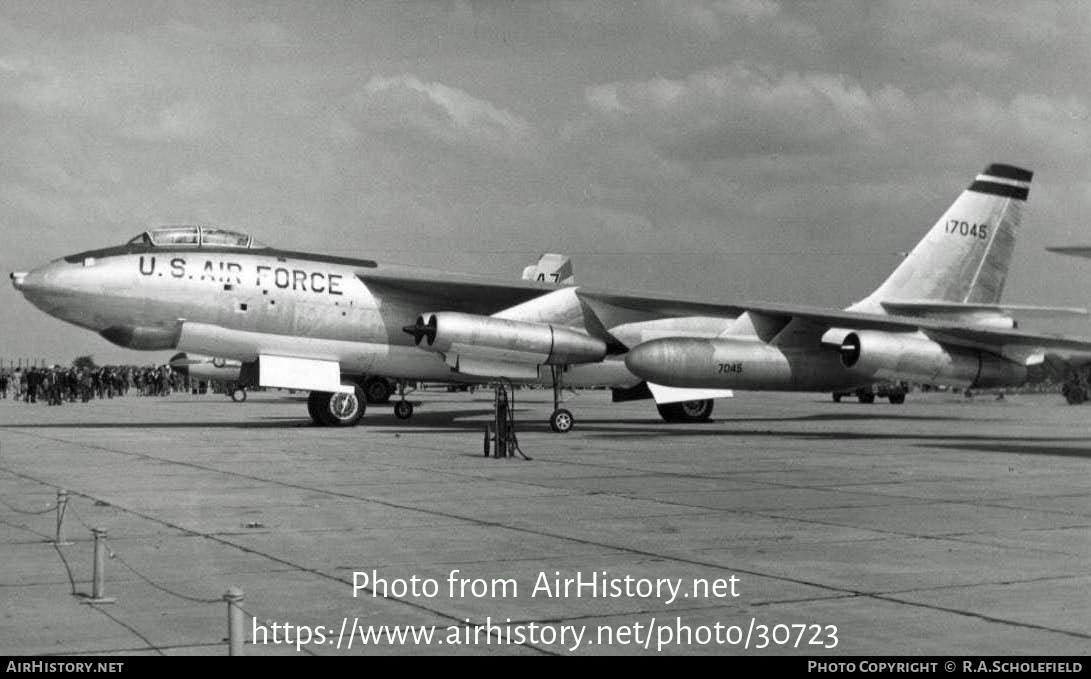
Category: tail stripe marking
[1003,190]
[1009,172]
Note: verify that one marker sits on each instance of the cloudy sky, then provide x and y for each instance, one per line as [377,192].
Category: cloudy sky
[725,150]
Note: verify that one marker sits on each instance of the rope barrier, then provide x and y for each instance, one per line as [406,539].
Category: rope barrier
[72,508]
[161,588]
[103,549]
[28,512]
[67,569]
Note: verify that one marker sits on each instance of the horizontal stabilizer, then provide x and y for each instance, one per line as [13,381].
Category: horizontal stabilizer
[924,307]
[663,394]
[1070,250]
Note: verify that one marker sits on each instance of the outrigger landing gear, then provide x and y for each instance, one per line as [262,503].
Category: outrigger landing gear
[403,409]
[560,420]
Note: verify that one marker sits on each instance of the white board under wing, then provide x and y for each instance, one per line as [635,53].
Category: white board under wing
[287,372]
[663,394]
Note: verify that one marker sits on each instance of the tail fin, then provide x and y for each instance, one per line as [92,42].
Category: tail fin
[551,268]
[964,258]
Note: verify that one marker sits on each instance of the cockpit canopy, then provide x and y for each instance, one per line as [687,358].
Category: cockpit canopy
[196,236]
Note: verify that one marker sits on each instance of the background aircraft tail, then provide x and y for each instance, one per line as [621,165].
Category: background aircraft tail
[551,268]
[964,258]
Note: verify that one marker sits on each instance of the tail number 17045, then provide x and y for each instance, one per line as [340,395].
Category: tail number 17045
[967,229]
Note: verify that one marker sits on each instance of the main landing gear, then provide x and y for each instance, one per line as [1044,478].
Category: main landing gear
[560,420]
[686,411]
[340,409]
[377,390]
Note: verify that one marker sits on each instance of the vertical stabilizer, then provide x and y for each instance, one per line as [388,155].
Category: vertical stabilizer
[551,268]
[964,258]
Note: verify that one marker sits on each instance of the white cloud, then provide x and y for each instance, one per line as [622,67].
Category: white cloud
[959,54]
[442,113]
[718,18]
[196,183]
[740,110]
[179,121]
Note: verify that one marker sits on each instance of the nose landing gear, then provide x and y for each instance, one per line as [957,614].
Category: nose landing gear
[340,409]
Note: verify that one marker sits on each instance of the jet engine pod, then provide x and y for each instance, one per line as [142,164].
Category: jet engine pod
[502,339]
[422,330]
[849,350]
[889,356]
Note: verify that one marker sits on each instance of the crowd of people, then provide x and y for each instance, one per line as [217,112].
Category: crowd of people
[57,384]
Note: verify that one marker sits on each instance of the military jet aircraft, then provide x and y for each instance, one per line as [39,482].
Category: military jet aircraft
[211,369]
[936,320]
[1076,374]
[320,323]
[325,323]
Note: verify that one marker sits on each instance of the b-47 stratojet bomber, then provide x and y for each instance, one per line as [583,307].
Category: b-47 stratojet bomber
[321,323]
[326,323]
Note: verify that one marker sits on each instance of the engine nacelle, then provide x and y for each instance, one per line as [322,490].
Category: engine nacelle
[452,332]
[713,363]
[886,356]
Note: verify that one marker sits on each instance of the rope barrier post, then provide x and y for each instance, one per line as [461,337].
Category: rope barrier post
[100,569]
[235,633]
[62,506]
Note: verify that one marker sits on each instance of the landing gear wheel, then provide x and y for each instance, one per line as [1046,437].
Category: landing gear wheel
[837,398]
[377,390]
[1075,394]
[345,408]
[238,395]
[341,409]
[697,411]
[561,421]
[403,410]
[897,399]
[687,411]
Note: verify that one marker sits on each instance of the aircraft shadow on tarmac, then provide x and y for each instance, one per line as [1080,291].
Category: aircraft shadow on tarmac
[446,422]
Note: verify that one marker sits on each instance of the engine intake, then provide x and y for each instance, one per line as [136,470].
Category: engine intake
[887,356]
[505,340]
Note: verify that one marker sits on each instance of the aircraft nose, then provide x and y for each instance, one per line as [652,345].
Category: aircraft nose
[49,285]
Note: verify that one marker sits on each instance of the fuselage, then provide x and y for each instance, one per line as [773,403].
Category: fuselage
[239,303]
[244,302]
